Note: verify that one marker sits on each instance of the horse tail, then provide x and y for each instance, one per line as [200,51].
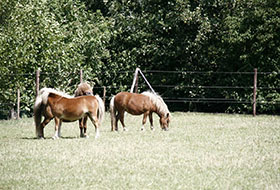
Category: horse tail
[38,113]
[101,108]
[113,114]
[39,106]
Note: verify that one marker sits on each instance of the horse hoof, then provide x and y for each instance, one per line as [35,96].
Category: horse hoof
[84,136]
[55,137]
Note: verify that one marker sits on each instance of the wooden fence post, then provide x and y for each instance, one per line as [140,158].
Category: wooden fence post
[37,82]
[81,76]
[18,103]
[255,93]
[136,84]
[104,94]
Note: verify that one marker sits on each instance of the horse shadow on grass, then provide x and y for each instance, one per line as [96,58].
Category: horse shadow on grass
[49,138]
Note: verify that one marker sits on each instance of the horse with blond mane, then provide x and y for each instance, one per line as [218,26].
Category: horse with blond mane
[136,104]
[53,104]
[83,89]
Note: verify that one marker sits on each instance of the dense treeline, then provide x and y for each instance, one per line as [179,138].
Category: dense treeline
[104,38]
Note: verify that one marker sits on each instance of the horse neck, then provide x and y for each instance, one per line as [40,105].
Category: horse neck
[158,104]
[160,111]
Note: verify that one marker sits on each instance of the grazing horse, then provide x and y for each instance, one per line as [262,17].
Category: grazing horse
[137,104]
[54,104]
[84,89]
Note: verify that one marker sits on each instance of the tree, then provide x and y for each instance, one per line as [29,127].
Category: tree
[57,37]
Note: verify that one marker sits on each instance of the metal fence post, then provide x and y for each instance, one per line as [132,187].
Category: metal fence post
[134,80]
[255,93]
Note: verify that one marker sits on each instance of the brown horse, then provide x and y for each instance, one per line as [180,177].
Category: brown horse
[54,104]
[137,104]
[84,89]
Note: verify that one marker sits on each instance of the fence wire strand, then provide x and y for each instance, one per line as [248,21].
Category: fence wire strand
[209,100]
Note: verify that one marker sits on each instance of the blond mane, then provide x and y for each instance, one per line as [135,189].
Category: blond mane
[44,93]
[158,101]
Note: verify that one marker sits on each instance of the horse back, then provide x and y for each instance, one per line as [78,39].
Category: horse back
[76,104]
[87,101]
[132,103]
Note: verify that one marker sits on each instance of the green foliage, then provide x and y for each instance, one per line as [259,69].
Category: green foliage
[109,39]
[223,36]
[57,37]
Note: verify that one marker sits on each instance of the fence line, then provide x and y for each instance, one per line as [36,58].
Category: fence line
[209,72]
[167,99]
[150,71]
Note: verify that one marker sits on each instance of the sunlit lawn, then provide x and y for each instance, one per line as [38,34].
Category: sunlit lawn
[200,151]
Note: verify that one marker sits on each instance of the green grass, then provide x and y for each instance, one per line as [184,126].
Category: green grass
[200,151]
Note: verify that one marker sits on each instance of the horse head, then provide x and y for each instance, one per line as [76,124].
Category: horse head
[84,89]
[164,122]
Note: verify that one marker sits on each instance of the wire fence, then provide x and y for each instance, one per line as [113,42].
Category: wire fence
[165,88]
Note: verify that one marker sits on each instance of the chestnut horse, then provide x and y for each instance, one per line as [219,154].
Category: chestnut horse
[54,104]
[137,104]
[84,89]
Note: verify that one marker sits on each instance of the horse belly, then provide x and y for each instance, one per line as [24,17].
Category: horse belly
[134,112]
[72,116]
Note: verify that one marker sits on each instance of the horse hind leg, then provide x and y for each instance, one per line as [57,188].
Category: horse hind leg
[121,117]
[117,121]
[95,122]
[114,119]
[40,132]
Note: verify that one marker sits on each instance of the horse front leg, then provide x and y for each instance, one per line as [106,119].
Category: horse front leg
[57,128]
[85,126]
[144,121]
[81,128]
[151,121]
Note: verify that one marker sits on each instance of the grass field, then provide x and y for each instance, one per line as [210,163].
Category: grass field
[200,151]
